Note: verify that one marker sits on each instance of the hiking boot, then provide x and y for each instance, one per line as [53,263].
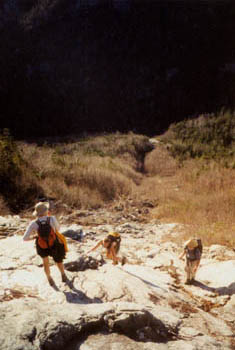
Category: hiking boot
[51,281]
[123,260]
[188,281]
[64,278]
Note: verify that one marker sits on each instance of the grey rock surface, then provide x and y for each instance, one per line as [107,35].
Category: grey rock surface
[141,305]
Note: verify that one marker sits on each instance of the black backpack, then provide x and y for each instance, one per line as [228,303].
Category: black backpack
[196,252]
[114,237]
[44,228]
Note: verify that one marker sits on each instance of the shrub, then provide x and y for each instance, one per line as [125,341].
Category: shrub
[209,136]
[17,186]
[10,160]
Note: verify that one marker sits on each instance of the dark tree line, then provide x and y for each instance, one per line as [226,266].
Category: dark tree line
[64,71]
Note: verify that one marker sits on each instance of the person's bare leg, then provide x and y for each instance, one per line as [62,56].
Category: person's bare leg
[115,258]
[195,267]
[61,268]
[46,267]
[188,272]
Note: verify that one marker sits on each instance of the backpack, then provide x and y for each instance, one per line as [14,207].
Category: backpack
[114,237]
[190,254]
[46,235]
[195,253]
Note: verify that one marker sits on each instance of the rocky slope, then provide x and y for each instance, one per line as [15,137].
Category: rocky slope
[141,305]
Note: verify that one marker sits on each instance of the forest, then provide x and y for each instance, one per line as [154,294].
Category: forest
[64,70]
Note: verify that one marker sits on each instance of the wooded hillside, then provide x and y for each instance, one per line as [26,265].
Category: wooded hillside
[63,70]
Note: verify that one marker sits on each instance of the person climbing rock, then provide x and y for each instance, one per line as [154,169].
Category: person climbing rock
[112,244]
[193,252]
[45,229]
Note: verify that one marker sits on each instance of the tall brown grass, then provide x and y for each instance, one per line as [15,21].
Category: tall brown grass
[193,177]
[88,172]
[160,162]
[201,195]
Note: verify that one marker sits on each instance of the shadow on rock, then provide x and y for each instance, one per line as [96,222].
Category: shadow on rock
[229,290]
[76,296]
[83,263]
[76,235]
[145,281]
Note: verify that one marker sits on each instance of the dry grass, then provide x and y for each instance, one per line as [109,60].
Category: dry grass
[159,162]
[183,307]
[10,294]
[88,172]
[201,196]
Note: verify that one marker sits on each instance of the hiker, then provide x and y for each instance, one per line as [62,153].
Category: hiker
[112,245]
[49,242]
[193,252]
